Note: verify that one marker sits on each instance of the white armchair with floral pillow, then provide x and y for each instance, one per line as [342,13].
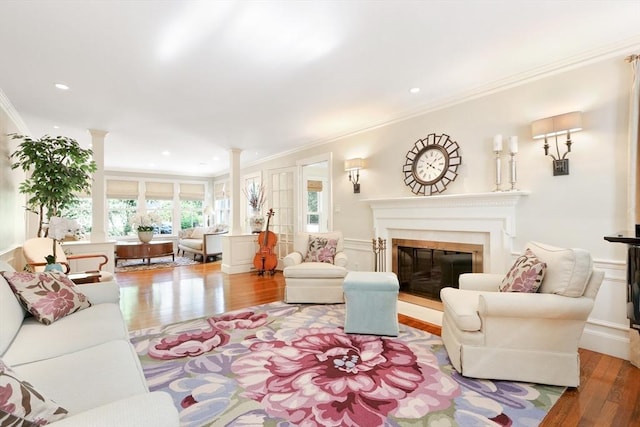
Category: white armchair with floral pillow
[525,326]
[315,271]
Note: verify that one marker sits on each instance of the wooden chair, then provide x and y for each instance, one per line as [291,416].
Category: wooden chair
[35,250]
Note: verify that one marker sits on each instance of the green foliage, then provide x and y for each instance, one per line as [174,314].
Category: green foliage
[59,169]
[190,213]
[120,212]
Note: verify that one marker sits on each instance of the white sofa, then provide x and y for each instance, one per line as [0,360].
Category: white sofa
[84,361]
[203,241]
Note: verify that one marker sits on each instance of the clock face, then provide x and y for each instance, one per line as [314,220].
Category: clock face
[431,164]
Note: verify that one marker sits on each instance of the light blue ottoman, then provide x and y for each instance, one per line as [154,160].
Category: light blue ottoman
[371,303]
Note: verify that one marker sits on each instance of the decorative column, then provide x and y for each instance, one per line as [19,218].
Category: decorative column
[98,198]
[234,180]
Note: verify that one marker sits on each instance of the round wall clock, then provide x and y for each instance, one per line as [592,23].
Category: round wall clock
[431,164]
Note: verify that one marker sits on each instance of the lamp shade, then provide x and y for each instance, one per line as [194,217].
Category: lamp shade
[557,125]
[568,122]
[353,164]
[541,128]
[208,210]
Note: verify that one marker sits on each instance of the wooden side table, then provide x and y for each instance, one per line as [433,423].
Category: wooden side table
[144,251]
[82,278]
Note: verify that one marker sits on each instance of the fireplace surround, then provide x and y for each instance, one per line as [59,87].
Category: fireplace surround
[484,219]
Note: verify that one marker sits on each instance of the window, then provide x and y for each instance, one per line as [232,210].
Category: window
[178,204]
[222,204]
[191,205]
[314,194]
[159,200]
[190,214]
[81,212]
[313,216]
[119,214]
[122,204]
[164,209]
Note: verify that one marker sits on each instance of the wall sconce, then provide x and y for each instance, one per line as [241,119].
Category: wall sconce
[552,127]
[353,166]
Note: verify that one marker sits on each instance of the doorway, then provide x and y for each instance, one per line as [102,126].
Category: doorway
[315,194]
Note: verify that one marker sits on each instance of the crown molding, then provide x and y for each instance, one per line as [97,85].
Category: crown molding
[13,114]
[622,48]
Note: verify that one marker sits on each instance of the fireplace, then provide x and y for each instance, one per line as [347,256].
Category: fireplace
[485,221]
[424,267]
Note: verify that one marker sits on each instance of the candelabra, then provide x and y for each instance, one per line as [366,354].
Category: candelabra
[498,171]
[512,163]
[513,150]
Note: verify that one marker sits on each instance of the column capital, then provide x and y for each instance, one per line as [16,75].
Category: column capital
[97,133]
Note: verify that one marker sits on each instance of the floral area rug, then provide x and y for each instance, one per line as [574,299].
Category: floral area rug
[159,262]
[283,365]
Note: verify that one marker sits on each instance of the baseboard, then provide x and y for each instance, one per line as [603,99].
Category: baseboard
[425,314]
[237,269]
[610,339]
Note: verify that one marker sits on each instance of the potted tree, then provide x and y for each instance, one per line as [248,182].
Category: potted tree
[57,170]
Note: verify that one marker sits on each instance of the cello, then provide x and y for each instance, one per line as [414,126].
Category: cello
[265,259]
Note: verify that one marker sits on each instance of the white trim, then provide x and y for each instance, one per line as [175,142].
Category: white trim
[576,61]
[13,114]
[602,336]
[487,219]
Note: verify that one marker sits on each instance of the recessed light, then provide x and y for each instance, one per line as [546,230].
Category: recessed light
[62,86]
[56,127]
[414,90]
[166,153]
[216,158]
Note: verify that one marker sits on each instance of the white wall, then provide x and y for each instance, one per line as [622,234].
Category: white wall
[12,213]
[577,210]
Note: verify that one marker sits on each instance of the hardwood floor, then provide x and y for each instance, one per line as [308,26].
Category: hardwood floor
[609,394]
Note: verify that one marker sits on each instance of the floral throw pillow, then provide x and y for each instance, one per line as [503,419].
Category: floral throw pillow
[526,274]
[49,295]
[22,405]
[321,249]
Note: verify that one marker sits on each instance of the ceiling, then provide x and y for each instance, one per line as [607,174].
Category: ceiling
[178,83]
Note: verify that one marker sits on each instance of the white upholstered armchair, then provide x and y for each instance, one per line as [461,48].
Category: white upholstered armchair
[315,271]
[519,336]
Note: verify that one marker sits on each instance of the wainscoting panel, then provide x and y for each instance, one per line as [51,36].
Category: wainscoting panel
[13,257]
[606,331]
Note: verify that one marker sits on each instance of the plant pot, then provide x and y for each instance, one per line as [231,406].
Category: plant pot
[256,221]
[145,236]
[54,267]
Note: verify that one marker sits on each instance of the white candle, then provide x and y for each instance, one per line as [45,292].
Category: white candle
[497,143]
[513,144]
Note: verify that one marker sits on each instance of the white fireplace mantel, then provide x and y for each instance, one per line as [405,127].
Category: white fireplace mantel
[492,199]
[488,219]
